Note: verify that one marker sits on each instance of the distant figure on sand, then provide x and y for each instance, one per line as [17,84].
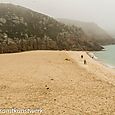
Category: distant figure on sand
[85,62]
[82,56]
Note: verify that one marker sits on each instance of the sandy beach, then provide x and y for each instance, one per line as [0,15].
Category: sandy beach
[57,82]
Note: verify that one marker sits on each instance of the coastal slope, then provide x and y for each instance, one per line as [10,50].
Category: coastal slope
[92,30]
[22,29]
[57,82]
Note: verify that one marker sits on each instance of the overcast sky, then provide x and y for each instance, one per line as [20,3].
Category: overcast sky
[101,12]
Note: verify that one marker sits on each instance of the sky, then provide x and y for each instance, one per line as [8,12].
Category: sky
[101,12]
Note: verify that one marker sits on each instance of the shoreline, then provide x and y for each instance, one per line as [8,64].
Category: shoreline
[92,55]
[94,66]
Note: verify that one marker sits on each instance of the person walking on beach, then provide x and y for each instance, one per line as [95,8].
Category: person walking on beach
[82,56]
[85,62]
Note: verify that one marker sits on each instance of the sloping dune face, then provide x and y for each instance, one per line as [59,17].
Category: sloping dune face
[53,82]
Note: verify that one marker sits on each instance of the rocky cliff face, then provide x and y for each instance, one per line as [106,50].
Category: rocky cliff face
[92,30]
[22,29]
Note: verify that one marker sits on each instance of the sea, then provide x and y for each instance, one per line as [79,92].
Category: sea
[107,56]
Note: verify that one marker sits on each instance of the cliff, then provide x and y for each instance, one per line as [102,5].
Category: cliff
[92,31]
[22,29]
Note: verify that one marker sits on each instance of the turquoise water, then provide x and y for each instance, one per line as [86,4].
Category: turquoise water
[107,56]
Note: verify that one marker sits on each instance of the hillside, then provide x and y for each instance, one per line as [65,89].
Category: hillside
[22,29]
[92,30]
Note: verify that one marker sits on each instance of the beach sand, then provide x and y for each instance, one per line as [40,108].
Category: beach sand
[57,82]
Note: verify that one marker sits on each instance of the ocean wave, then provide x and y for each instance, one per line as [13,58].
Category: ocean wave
[110,66]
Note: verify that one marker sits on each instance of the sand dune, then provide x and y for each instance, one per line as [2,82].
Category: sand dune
[57,82]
